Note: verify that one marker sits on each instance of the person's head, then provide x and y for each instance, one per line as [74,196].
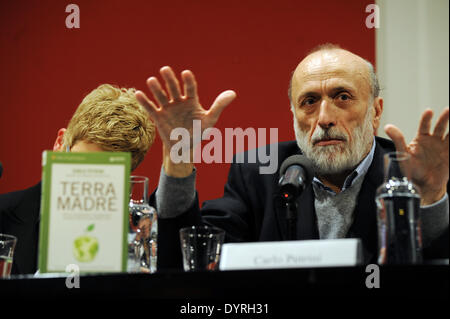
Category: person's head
[108,119]
[335,101]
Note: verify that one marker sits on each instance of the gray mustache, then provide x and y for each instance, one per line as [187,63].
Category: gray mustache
[328,134]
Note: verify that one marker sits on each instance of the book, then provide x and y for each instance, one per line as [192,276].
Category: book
[84,211]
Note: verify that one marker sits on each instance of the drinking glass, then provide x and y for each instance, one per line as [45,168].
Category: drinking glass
[7,245]
[201,247]
[143,228]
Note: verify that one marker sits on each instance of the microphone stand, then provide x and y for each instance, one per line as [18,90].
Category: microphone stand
[291,218]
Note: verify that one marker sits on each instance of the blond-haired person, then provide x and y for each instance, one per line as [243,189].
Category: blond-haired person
[108,119]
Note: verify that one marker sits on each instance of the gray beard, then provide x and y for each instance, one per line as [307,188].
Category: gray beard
[335,159]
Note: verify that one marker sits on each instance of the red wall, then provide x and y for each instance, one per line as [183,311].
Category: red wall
[248,46]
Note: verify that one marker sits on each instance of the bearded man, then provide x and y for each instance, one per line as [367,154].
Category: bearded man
[336,105]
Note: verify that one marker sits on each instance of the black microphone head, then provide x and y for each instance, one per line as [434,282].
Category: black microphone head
[301,160]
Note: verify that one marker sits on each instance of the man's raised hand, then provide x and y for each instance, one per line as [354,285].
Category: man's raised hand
[177,109]
[429,151]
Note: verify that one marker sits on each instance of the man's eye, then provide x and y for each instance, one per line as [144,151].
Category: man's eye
[343,97]
[308,101]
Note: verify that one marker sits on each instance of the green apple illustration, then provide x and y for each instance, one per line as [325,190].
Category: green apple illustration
[85,247]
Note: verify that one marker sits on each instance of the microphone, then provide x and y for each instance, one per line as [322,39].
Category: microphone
[1,169]
[296,173]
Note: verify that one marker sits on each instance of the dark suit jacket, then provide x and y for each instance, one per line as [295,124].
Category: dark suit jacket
[251,211]
[19,216]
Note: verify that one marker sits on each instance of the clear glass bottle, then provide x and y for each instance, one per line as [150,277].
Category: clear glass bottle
[143,228]
[398,213]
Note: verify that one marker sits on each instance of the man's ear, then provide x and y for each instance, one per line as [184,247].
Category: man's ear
[59,142]
[378,109]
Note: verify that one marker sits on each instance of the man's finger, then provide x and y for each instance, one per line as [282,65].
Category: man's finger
[157,91]
[190,85]
[441,124]
[220,103]
[145,102]
[172,85]
[397,137]
[425,122]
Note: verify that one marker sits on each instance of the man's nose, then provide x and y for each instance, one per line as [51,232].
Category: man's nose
[327,114]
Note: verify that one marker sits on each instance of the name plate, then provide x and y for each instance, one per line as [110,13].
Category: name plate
[291,254]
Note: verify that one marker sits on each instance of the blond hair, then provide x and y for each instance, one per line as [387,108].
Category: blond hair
[113,119]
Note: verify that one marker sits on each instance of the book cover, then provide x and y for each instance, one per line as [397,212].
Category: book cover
[84,211]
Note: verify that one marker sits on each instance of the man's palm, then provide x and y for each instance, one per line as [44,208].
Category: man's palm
[177,110]
[428,165]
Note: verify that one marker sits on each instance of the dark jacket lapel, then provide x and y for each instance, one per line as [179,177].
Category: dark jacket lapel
[307,221]
[365,216]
